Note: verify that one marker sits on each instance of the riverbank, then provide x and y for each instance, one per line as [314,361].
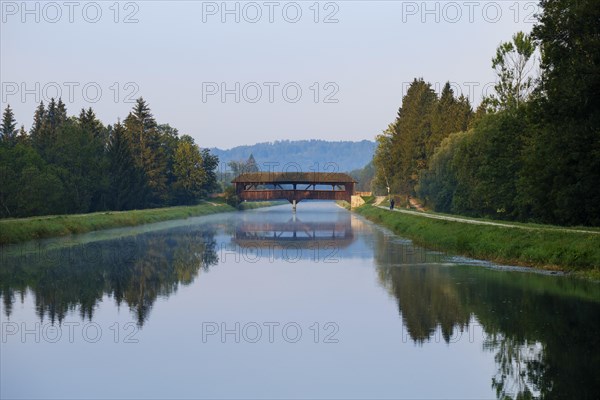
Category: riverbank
[565,250]
[23,229]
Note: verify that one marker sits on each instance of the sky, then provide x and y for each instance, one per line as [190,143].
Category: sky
[235,73]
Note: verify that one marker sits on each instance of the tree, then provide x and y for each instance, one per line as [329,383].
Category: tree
[438,183]
[210,162]
[488,165]
[383,159]
[38,121]
[514,64]
[568,35]
[23,137]
[169,138]
[28,186]
[88,121]
[412,130]
[51,119]
[76,165]
[188,170]
[251,165]
[82,167]
[450,115]
[8,130]
[144,138]
[61,112]
[237,167]
[46,124]
[127,183]
[563,157]
[242,167]
[364,176]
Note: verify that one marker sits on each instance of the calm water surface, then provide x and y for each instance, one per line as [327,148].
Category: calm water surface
[265,304]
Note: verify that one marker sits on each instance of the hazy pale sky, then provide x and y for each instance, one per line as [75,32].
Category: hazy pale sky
[245,72]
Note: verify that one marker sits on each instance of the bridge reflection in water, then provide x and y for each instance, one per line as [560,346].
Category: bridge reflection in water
[294,232]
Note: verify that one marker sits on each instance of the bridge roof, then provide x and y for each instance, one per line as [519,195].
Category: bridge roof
[293,177]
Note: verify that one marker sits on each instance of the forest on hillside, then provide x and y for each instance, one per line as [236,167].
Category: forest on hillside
[308,155]
[75,164]
[531,151]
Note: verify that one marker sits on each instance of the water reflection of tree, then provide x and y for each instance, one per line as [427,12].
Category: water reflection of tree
[542,330]
[134,270]
[517,361]
[424,304]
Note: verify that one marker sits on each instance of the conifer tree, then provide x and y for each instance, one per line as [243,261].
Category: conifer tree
[61,112]
[412,131]
[144,138]
[23,137]
[51,119]
[251,165]
[38,121]
[127,186]
[44,133]
[441,119]
[88,121]
[8,131]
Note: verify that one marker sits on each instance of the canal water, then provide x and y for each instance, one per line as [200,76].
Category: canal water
[268,304]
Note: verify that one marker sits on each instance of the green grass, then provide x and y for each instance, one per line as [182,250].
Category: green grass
[557,250]
[17,230]
[24,229]
[343,204]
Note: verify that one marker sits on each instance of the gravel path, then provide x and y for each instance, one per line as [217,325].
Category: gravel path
[380,199]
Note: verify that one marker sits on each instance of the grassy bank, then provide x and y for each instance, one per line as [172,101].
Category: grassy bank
[23,229]
[558,250]
[343,204]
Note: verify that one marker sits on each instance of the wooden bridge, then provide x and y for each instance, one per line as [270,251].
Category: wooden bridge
[294,186]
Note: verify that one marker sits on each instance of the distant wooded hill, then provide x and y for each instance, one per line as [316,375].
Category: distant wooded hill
[308,154]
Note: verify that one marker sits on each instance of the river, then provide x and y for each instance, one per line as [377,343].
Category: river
[270,304]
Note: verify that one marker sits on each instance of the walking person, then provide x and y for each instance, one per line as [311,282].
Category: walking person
[392,202]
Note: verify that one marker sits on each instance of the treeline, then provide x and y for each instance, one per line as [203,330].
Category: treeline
[307,155]
[531,151]
[364,177]
[75,164]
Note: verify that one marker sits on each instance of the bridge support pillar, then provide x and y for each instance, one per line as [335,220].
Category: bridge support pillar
[294,205]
